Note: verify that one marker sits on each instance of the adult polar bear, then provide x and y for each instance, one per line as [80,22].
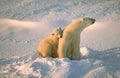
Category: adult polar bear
[69,43]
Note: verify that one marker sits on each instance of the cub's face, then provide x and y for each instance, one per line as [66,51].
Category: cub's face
[57,32]
[86,21]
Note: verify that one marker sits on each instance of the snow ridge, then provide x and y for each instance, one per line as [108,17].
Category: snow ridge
[23,23]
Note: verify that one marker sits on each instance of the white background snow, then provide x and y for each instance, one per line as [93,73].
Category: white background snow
[24,23]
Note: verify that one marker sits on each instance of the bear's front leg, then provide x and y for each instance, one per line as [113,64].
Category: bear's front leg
[76,55]
[62,49]
[62,53]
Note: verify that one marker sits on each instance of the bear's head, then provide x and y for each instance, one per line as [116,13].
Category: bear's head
[86,21]
[58,32]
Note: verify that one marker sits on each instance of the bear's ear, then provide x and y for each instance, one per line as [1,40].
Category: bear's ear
[81,19]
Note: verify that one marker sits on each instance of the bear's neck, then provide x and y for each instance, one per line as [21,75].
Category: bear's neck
[74,28]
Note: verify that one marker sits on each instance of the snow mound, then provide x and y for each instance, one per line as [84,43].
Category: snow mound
[98,64]
[19,24]
[23,23]
[101,35]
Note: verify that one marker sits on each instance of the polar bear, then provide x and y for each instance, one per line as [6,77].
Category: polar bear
[48,46]
[69,43]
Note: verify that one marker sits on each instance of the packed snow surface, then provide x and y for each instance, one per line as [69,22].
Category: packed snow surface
[24,23]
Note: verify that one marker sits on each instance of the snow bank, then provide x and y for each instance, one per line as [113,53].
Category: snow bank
[98,64]
[19,38]
[105,34]
[21,35]
[20,24]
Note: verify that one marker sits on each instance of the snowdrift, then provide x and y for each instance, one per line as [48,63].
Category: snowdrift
[98,64]
[23,23]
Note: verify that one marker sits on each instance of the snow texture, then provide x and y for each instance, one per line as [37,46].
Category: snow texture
[23,23]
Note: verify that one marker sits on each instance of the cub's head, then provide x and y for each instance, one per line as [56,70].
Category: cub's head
[57,32]
[86,21]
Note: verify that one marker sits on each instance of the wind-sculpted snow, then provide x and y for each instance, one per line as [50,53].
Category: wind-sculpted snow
[24,23]
[100,64]
[101,35]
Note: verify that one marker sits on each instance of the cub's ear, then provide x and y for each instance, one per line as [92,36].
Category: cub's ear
[80,19]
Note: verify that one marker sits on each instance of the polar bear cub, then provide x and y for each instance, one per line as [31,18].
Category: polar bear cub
[69,44]
[48,46]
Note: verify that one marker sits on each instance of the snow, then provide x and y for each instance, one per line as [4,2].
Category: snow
[107,35]
[23,23]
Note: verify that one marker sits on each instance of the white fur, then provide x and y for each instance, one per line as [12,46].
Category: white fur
[69,43]
[48,46]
